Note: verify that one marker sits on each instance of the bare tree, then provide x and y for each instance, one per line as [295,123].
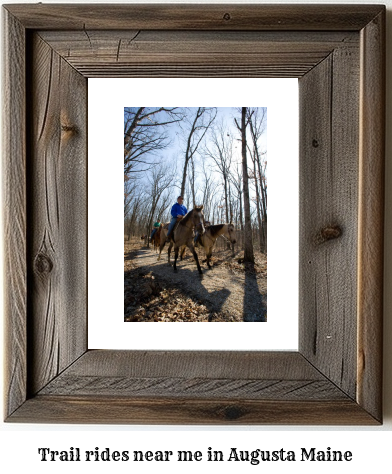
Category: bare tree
[192,180]
[163,205]
[221,152]
[133,196]
[248,247]
[130,186]
[133,222]
[160,180]
[257,123]
[197,128]
[209,191]
[237,181]
[145,133]
[262,243]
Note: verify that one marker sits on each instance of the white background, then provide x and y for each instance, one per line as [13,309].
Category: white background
[107,98]
[370,446]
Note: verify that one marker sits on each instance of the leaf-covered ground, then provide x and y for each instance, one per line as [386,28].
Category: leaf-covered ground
[231,292]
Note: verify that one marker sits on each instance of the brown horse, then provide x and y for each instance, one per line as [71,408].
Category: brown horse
[212,232]
[157,238]
[163,240]
[183,234]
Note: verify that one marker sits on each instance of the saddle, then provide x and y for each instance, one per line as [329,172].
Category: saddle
[174,228]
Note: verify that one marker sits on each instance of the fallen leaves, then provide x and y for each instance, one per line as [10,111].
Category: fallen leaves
[147,300]
[149,297]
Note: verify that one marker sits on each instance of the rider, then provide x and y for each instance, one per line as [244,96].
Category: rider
[177,210]
[156,227]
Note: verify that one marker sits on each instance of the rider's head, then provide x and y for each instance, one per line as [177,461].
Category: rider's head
[180,199]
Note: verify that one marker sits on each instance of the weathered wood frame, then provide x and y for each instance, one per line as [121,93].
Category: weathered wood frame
[337,52]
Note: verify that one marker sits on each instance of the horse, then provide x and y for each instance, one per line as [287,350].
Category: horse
[157,238]
[183,235]
[163,240]
[212,232]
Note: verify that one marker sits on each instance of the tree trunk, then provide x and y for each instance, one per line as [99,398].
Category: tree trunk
[182,192]
[196,135]
[229,244]
[259,220]
[248,251]
[263,204]
[150,222]
[193,182]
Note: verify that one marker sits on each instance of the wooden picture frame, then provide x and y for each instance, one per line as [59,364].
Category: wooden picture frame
[337,52]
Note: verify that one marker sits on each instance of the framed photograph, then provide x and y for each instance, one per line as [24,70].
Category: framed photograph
[337,53]
[134,281]
[185,196]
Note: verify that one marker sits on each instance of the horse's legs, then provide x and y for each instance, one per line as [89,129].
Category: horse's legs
[169,251]
[192,249]
[160,249]
[209,254]
[176,248]
[182,252]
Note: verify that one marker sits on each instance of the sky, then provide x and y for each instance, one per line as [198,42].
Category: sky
[227,114]
[174,153]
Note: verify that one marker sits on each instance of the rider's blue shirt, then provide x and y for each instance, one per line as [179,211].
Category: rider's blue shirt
[178,210]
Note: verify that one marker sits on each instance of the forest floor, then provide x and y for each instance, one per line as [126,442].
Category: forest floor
[230,292]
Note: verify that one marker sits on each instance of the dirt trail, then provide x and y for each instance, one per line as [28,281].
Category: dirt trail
[226,289]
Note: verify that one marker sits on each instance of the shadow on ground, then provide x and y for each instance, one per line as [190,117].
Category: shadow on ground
[255,308]
[190,284]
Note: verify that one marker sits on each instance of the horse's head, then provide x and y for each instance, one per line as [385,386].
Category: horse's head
[198,219]
[231,233]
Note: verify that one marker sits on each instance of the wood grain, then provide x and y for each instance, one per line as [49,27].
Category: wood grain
[371,216]
[193,17]
[194,53]
[118,410]
[205,364]
[192,387]
[14,209]
[58,215]
[206,374]
[328,216]
[188,387]
[335,378]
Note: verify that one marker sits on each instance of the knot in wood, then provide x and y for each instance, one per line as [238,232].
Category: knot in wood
[227,16]
[43,264]
[315,143]
[328,233]
[232,412]
[69,128]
